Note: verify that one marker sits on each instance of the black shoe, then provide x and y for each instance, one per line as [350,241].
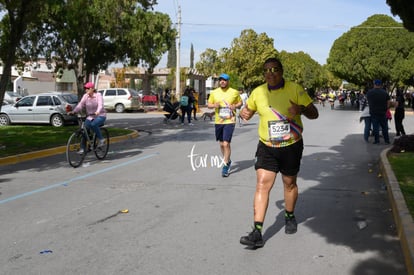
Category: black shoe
[254,239]
[290,225]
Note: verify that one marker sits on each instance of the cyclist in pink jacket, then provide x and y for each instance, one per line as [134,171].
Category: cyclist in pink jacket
[93,103]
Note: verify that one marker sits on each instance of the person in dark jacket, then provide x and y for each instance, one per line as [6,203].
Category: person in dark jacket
[399,113]
[186,105]
[379,101]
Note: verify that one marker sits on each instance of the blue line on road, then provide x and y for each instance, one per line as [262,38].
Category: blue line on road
[76,178]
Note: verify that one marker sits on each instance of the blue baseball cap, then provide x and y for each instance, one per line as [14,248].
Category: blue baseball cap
[377,82]
[225,77]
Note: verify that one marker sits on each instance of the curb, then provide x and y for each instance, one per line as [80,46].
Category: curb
[54,151]
[402,217]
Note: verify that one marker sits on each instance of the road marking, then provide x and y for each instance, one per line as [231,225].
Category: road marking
[65,183]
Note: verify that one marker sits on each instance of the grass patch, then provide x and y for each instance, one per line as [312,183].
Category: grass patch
[18,139]
[402,165]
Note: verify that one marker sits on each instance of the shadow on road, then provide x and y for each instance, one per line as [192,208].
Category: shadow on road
[347,204]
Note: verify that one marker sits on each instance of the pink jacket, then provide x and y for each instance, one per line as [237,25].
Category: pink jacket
[92,104]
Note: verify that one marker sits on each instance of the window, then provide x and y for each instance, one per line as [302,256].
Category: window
[26,102]
[72,99]
[110,93]
[57,100]
[44,101]
[121,92]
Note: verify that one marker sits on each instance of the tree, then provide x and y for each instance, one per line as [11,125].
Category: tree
[246,55]
[192,56]
[146,45]
[243,61]
[370,50]
[172,56]
[301,68]
[148,37]
[329,80]
[89,35]
[19,15]
[405,10]
[209,62]
[191,65]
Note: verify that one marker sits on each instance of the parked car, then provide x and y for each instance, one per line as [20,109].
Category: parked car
[121,99]
[11,97]
[46,108]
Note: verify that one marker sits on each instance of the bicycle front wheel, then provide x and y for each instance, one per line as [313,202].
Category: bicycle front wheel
[101,151]
[75,154]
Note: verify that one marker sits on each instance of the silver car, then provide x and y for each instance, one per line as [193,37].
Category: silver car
[46,108]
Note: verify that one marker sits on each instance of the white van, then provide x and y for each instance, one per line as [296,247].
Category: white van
[121,99]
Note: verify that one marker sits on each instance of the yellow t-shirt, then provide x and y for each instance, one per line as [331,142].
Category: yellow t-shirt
[277,128]
[224,115]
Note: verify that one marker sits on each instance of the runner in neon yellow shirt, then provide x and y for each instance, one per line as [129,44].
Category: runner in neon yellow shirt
[278,128]
[225,100]
[280,105]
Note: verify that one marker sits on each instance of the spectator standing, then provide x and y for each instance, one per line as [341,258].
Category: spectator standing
[186,105]
[379,101]
[225,100]
[195,104]
[399,113]
[280,104]
[365,116]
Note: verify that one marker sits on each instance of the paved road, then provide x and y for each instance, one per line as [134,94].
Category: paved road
[184,218]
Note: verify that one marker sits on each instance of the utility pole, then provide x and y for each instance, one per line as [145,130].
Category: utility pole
[177,72]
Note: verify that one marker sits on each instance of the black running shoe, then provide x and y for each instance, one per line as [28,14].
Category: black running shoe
[290,225]
[254,239]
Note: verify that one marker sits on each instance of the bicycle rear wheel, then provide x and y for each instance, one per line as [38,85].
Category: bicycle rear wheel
[74,153]
[101,151]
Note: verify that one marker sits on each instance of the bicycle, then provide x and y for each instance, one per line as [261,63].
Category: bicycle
[82,138]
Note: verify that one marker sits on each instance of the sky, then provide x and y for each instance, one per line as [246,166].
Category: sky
[310,26]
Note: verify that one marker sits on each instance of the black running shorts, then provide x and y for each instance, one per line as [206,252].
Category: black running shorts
[285,160]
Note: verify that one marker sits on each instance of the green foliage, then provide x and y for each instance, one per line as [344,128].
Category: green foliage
[246,56]
[372,50]
[172,56]
[244,60]
[147,45]
[19,16]
[87,35]
[301,68]
[209,63]
[192,56]
[329,80]
[401,164]
[405,10]
[15,138]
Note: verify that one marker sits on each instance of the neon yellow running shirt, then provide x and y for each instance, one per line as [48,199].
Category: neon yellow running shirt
[277,128]
[224,115]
